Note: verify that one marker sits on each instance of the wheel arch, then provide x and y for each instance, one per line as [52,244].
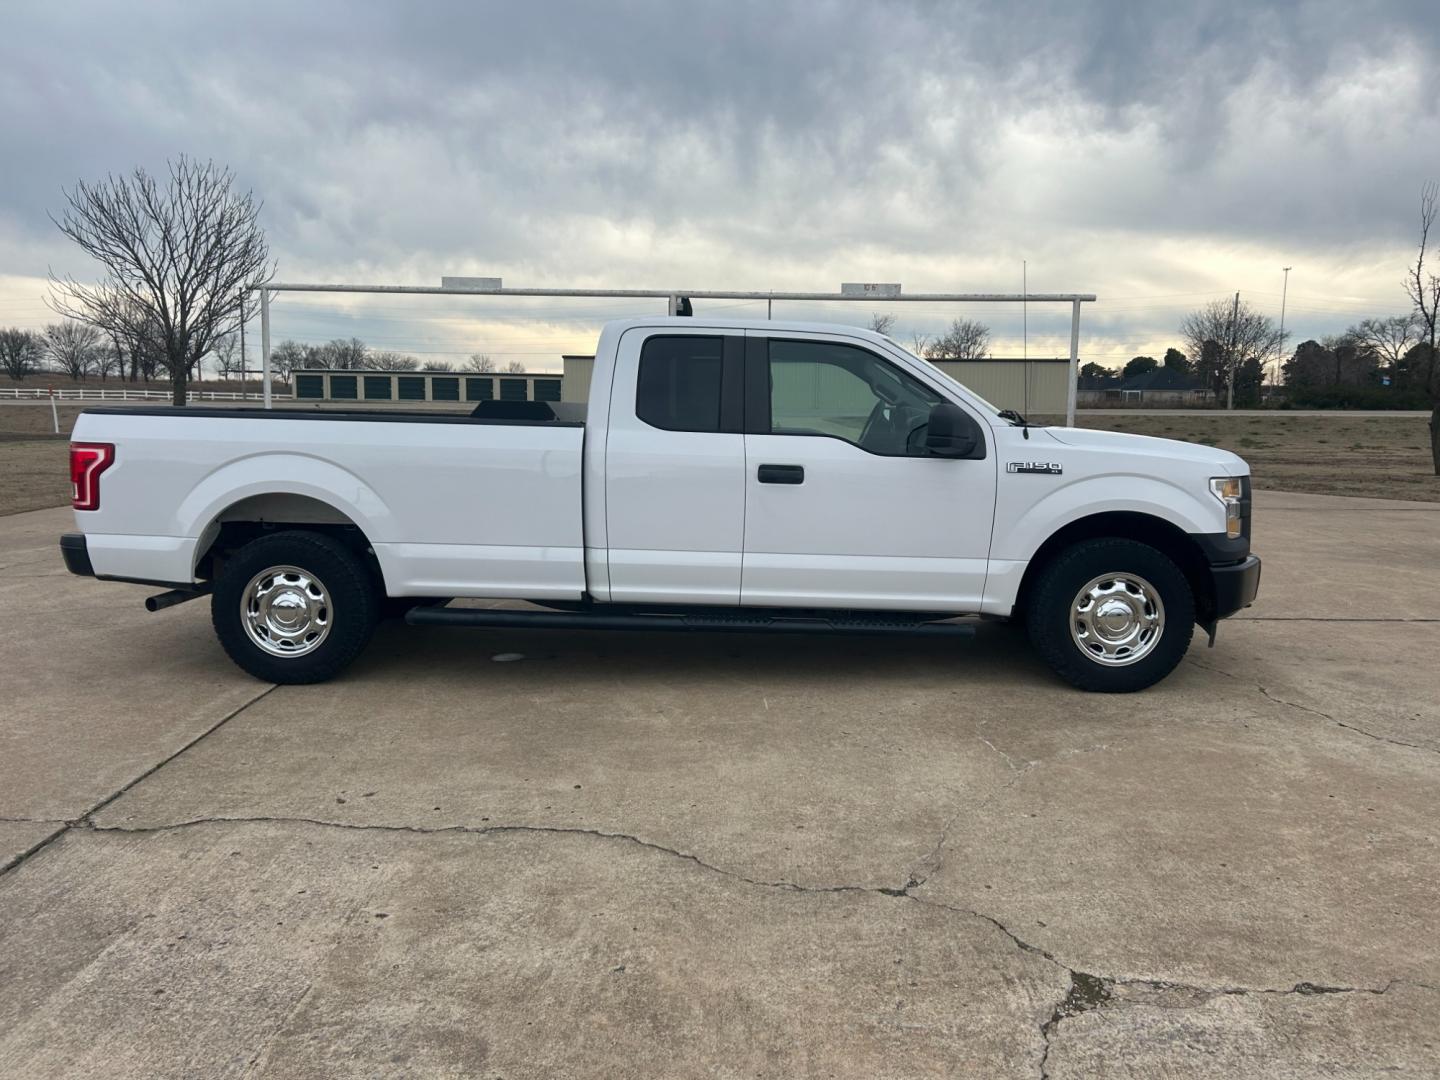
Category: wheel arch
[264,513]
[1163,535]
[280,489]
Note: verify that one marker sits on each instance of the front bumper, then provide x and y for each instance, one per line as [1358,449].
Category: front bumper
[1235,586]
[76,555]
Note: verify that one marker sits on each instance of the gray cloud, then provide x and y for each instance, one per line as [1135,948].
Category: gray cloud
[1132,149]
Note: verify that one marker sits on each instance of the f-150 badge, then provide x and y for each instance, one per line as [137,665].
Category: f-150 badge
[1052,467]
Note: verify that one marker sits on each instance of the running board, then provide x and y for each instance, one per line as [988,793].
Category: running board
[498,618]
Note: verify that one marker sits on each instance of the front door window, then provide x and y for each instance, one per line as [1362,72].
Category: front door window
[824,388]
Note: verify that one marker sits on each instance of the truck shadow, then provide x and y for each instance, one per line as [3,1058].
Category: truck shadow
[997,653]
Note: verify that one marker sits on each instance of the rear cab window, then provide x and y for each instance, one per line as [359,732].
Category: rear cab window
[690,382]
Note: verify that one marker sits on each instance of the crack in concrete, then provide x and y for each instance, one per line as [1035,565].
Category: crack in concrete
[932,860]
[1265,692]
[1343,724]
[1089,993]
[84,820]
[1086,990]
[16,859]
[1008,759]
[486,830]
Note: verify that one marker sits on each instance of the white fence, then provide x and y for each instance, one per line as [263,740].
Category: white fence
[80,393]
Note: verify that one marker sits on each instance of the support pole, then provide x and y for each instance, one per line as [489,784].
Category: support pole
[1072,392]
[265,343]
[242,346]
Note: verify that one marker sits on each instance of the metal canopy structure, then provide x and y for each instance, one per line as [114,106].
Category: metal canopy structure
[887,294]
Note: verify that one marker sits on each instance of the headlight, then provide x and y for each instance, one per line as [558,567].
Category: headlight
[1227,490]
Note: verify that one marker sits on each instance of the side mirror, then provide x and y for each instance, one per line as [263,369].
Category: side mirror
[951,432]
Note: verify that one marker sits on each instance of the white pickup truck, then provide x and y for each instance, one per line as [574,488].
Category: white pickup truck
[727,475]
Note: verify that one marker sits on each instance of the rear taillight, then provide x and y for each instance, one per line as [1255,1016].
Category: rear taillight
[87,461]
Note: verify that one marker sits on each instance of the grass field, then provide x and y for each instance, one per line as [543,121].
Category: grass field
[34,474]
[1331,454]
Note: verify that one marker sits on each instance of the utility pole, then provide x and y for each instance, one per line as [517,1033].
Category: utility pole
[1280,345]
[1025,311]
[1230,356]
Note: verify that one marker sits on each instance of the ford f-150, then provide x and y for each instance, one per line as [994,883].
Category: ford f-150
[726,475]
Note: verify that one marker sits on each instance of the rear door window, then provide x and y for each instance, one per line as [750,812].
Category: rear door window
[680,383]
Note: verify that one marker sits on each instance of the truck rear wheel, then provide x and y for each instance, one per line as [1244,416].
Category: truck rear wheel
[294,607]
[1111,615]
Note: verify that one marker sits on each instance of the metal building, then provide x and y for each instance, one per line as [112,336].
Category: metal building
[1031,387]
[328,384]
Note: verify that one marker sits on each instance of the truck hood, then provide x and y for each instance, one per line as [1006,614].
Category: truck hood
[1119,442]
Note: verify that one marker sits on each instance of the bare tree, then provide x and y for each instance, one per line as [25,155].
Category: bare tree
[515,367]
[72,347]
[21,353]
[108,362]
[183,254]
[882,324]
[480,362]
[1389,338]
[437,365]
[919,343]
[965,340]
[1423,287]
[228,360]
[389,360]
[1240,337]
[346,354]
[286,357]
[136,334]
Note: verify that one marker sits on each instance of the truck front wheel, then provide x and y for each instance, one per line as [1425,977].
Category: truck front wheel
[294,607]
[1111,615]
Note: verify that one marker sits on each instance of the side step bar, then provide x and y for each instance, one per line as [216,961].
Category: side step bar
[493,618]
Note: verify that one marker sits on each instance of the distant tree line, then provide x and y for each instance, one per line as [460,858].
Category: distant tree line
[77,350]
[352,354]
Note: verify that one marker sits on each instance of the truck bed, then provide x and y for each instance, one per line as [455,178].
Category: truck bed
[451,504]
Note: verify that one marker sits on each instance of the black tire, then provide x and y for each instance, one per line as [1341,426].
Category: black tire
[349,604]
[1049,614]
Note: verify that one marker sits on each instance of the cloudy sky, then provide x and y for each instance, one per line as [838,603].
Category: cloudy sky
[1160,155]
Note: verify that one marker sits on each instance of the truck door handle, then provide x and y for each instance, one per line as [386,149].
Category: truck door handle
[781,474]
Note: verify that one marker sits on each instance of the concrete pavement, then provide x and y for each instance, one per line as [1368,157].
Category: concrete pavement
[637,855]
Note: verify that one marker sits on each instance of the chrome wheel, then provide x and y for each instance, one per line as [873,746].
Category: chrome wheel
[286,611]
[1117,619]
